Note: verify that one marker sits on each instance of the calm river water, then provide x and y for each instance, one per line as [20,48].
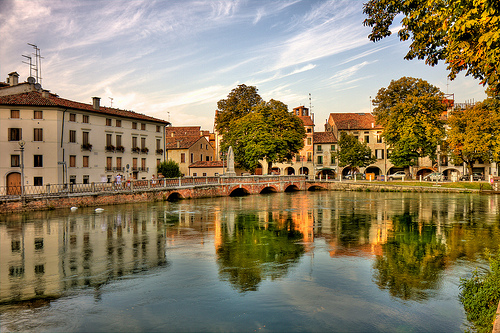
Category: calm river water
[304,261]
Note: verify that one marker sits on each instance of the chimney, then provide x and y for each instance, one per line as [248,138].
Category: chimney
[96,101]
[13,79]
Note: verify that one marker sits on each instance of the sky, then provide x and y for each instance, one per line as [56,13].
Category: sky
[174,60]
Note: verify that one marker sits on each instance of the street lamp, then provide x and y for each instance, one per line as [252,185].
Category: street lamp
[21,146]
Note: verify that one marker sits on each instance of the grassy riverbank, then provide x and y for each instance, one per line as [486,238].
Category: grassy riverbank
[464,185]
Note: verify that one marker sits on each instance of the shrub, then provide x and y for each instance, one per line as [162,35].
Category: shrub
[480,296]
[169,169]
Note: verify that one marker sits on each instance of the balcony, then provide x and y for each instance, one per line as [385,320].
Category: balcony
[136,150]
[120,149]
[159,151]
[87,146]
[144,150]
[110,148]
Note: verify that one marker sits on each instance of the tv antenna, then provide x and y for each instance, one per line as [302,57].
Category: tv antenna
[29,63]
[37,67]
[310,102]
[111,99]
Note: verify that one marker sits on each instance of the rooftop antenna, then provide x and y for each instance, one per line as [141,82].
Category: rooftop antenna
[38,64]
[111,99]
[370,104]
[30,63]
[310,103]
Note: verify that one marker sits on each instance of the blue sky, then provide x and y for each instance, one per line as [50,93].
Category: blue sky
[175,59]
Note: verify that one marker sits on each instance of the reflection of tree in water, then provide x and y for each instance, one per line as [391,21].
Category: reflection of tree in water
[354,229]
[412,261]
[256,251]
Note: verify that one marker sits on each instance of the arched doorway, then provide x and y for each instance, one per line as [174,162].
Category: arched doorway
[289,171]
[451,174]
[304,171]
[349,171]
[424,172]
[14,183]
[325,173]
[275,171]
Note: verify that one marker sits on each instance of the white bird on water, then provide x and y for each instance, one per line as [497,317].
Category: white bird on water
[99,210]
[73,208]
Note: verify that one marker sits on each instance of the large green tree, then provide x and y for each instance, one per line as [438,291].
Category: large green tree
[268,133]
[410,111]
[474,133]
[256,129]
[353,153]
[169,169]
[463,33]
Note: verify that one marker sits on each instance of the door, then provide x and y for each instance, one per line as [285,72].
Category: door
[14,183]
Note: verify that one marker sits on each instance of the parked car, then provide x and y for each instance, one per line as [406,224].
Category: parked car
[475,177]
[397,175]
[435,176]
[359,176]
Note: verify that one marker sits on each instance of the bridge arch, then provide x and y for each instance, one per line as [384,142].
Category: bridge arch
[316,188]
[292,188]
[239,192]
[268,189]
[174,196]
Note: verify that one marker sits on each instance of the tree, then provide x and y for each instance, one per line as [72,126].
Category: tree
[169,169]
[474,133]
[268,132]
[463,33]
[238,104]
[353,153]
[257,129]
[410,109]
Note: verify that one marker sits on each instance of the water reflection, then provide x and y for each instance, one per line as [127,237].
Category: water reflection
[44,254]
[412,239]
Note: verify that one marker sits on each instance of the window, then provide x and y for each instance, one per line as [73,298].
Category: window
[332,159]
[309,130]
[108,122]
[38,181]
[332,148]
[207,158]
[72,136]
[158,128]
[309,141]
[134,163]
[379,153]
[15,134]
[158,162]
[118,123]
[143,143]
[72,117]
[319,148]
[183,158]
[309,157]
[320,159]
[85,138]
[38,161]
[204,174]
[192,158]
[158,144]
[85,119]
[134,142]
[367,138]
[72,161]
[118,141]
[37,114]
[118,163]
[143,164]
[201,157]
[72,179]
[201,145]
[85,179]
[109,163]
[134,125]
[85,163]
[15,114]
[195,174]
[15,161]
[109,139]
[379,137]
[143,127]
[38,134]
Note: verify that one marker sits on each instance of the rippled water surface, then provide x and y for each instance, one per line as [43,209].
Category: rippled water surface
[306,261]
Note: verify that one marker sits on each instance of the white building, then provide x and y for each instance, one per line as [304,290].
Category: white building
[50,140]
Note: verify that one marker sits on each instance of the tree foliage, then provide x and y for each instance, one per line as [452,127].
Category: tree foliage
[353,153]
[474,133]
[260,131]
[410,109]
[463,33]
[169,169]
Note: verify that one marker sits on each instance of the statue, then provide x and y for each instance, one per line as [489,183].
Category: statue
[230,162]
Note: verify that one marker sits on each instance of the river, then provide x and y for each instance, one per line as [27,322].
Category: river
[303,261]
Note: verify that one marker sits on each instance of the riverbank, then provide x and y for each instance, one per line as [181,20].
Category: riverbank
[148,194]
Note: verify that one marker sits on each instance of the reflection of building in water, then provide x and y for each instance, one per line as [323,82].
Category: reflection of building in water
[45,257]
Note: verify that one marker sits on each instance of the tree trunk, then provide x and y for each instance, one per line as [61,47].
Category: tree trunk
[269,167]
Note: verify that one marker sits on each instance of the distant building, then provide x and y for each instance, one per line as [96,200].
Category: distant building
[71,142]
[187,145]
[325,147]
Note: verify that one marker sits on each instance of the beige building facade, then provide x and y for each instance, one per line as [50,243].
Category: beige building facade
[45,139]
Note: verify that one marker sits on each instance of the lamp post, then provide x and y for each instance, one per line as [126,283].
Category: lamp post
[21,146]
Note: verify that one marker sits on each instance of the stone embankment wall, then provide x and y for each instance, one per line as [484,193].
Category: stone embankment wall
[115,198]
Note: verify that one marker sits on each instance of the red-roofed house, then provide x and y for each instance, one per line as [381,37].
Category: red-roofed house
[325,145]
[187,145]
[67,141]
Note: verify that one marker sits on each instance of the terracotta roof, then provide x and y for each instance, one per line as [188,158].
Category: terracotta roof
[185,142]
[324,137]
[207,164]
[184,131]
[353,121]
[306,120]
[35,98]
